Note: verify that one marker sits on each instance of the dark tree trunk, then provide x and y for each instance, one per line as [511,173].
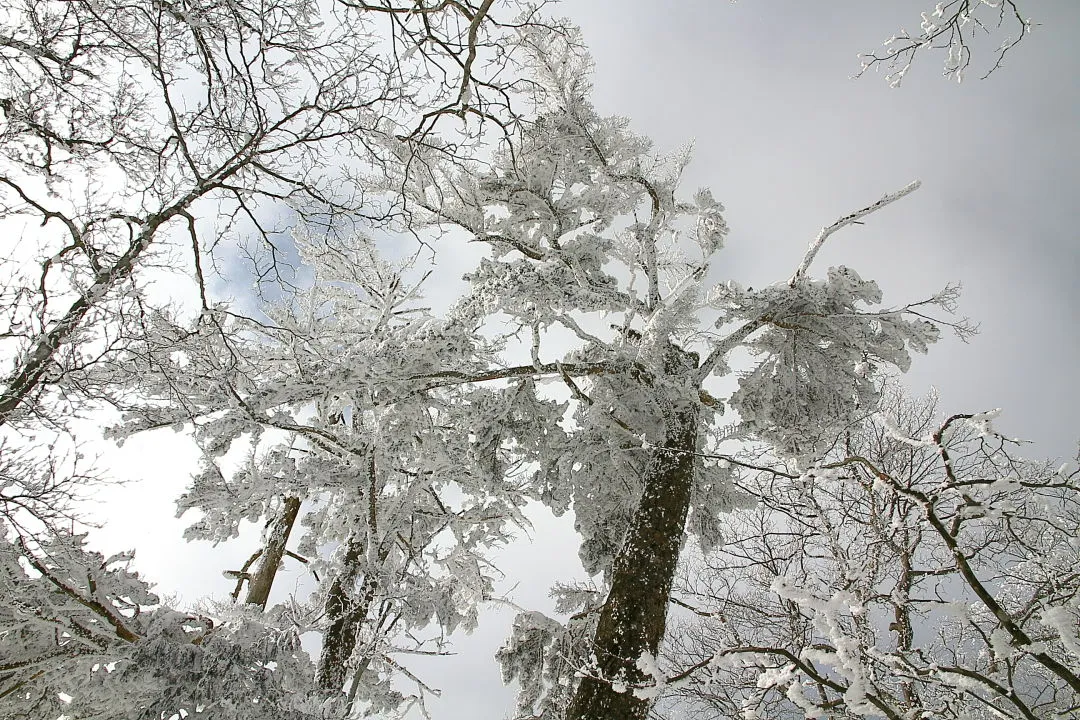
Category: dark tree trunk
[346,607]
[346,613]
[634,617]
[340,635]
[262,579]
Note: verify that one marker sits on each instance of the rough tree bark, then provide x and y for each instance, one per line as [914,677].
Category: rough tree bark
[345,614]
[273,552]
[634,616]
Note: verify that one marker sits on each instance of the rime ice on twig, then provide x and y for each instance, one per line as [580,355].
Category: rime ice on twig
[853,218]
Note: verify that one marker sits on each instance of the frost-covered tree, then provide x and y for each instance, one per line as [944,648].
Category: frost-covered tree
[347,403]
[583,367]
[81,636]
[145,144]
[918,570]
[593,239]
[140,134]
[39,490]
[142,142]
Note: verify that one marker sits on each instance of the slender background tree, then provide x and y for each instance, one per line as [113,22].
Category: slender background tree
[921,570]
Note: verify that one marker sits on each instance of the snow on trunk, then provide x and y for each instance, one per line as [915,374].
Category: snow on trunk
[634,617]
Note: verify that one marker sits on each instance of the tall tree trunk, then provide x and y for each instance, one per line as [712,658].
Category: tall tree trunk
[346,613]
[277,536]
[634,617]
[345,607]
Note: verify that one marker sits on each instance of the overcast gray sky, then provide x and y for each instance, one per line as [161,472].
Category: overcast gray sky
[789,142]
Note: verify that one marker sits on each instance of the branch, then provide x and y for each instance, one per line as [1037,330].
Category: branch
[1004,618]
[851,219]
[791,658]
[725,346]
[93,605]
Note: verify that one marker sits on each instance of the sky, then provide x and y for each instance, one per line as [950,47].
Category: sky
[789,142]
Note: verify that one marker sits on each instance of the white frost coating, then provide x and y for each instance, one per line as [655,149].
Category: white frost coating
[847,661]
[983,422]
[721,661]
[796,695]
[646,663]
[1005,485]
[957,610]
[749,713]
[819,241]
[897,434]
[1001,644]
[1065,622]
[774,677]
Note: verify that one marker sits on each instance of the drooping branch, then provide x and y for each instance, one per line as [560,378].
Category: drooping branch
[91,603]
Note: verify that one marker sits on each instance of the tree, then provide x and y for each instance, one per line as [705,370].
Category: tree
[918,570]
[370,390]
[39,491]
[82,636]
[146,138]
[582,218]
[351,398]
[340,397]
[155,132]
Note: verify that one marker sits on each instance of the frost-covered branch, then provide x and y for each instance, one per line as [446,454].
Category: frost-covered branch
[955,26]
[918,565]
[851,219]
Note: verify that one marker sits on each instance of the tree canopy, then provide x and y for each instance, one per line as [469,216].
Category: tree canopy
[597,361]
